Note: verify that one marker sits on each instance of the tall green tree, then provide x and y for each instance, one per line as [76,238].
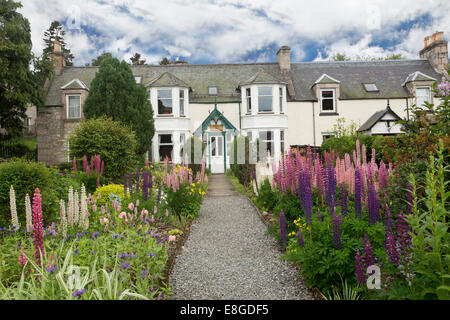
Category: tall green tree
[97,61]
[164,61]
[22,75]
[57,32]
[114,93]
[136,59]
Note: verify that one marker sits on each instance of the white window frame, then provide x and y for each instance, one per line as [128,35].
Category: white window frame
[165,144]
[182,142]
[327,135]
[267,141]
[281,99]
[212,87]
[157,101]
[248,99]
[282,140]
[182,104]
[265,95]
[67,105]
[334,100]
[428,98]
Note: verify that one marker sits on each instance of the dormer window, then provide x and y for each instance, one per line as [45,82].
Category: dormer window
[212,91]
[73,106]
[264,99]
[164,101]
[328,101]
[423,94]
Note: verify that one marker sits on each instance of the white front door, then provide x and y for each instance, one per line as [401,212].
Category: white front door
[217,158]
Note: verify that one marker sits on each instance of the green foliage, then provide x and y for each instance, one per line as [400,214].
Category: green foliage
[324,266]
[290,205]
[136,59]
[97,61]
[20,84]
[114,93]
[430,237]
[57,32]
[105,192]
[114,142]
[267,199]
[186,201]
[26,177]
[244,172]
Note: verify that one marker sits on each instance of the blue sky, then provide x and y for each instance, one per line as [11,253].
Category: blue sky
[232,31]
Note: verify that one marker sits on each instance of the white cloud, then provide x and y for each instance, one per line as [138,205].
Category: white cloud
[228,30]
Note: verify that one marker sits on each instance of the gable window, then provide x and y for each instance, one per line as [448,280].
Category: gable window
[212,90]
[267,142]
[422,96]
[165,147]
[73,106]
[327,100]
[181,102]
[248,97]
[165,101]
[264,99]
[281,100]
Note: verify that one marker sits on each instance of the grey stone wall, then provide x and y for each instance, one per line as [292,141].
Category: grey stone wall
[51,135]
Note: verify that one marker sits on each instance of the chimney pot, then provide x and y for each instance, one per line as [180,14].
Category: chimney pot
[436,51]
[284,58]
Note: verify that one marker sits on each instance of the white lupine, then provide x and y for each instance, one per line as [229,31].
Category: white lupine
[12,203]
[76,208]
[62,209]
[28,214]
[70,207]
[84,220]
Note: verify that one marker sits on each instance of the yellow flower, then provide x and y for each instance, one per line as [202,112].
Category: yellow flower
[192,190]
[203,193]
[193,184]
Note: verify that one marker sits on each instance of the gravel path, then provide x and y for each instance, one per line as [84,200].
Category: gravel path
[228,255]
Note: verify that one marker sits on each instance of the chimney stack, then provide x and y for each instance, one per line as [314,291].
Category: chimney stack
[58,58]
[436,51]
[284,58]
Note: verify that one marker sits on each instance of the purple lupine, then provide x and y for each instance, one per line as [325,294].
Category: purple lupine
[145,185]
[138,179]
[150,183]
[403,235]
[331,186]
[344,200]
[158,198]
[359,266]
[387,219]
[336,230]
[300,240]
[130,183]
[358,209]
[125,184]
[308,198]
[369,257]
[283,228]
[391,248]
[372,198]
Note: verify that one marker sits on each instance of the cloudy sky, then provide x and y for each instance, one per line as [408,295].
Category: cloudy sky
[232,31]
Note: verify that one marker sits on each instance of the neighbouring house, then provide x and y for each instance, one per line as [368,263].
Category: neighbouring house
[282,103]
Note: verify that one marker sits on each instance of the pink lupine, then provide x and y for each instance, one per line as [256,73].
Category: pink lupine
[123,215]
[22,257]
[38,226]
[74,164]
[131,206]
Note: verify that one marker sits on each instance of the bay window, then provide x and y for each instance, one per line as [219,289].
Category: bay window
[181,102]
[165,101]
[248,97]
[264,99]
[266,139]
[165,146]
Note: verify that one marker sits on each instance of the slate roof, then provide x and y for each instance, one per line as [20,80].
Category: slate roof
[261,77]
[324,78]
[375,118]
[417,76]
[168,80]
[387,75]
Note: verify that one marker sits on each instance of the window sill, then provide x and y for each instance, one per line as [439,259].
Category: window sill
[266,112]
[182,116]
[328,114]
[164,115]
[72,119]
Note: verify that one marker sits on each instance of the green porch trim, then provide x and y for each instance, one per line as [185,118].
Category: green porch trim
[215,116]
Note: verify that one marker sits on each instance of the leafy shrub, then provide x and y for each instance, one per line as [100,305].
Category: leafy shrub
[114,142]
[106,191]
[244,172]
[186,200]
[266,199]
[26,177]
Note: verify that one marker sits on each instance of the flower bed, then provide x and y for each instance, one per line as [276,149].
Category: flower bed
[105,246]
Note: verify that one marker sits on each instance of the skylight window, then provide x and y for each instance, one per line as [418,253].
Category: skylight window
[370,87]
[212,90]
